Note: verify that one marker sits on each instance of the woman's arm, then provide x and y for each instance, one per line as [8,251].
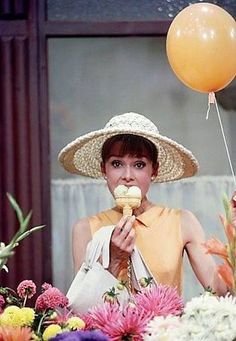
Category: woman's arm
[203,264]
[81,235]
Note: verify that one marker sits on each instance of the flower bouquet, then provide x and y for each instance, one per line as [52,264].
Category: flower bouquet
[51,319]
[157,312]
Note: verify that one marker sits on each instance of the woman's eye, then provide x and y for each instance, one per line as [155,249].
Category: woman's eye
[140,164]
[116,163]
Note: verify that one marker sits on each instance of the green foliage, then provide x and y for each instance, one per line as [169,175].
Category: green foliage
[8,250]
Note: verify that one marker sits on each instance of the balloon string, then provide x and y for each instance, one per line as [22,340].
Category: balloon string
[212,100]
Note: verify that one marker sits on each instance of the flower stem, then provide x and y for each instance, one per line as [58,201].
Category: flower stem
[41,322]
[25,299]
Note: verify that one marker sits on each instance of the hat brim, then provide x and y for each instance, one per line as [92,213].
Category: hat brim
[83,155]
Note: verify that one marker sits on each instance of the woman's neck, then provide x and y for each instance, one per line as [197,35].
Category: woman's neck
[145,205]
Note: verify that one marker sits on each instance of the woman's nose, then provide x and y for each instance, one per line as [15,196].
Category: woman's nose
[127,174]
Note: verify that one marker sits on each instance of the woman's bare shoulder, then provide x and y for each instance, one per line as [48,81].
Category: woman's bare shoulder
[81,235]
[81,226]
[191,227]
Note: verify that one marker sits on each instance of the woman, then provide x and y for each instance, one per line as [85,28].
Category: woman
[130,151]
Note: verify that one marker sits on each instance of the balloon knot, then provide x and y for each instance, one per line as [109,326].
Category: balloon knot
[211,100]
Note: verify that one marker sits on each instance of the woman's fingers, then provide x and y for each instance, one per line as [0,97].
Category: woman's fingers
[124,231]
[129,241]
[124,235]
[120,226]
[124,226]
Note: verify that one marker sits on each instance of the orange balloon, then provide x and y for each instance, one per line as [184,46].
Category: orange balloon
[201,47]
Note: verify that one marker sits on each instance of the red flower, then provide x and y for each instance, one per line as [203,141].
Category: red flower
[26,288]
[50,299]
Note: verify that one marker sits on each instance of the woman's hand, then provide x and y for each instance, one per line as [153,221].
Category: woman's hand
[121,245]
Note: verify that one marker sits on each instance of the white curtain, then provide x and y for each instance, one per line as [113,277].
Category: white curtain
[73,199]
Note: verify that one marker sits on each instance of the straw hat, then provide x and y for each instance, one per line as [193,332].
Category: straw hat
[83,155]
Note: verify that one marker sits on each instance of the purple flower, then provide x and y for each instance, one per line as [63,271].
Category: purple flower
[80,335]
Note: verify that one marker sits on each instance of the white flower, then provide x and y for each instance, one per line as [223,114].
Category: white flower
[205,318]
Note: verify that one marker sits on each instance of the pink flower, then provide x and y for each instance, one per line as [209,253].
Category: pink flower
[100,314]
[50,299]
[2,303]
[26,288]
[160,300]
[46,286]
[120,324]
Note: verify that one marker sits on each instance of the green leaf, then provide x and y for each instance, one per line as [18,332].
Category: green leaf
[16,208]
[25,223]
[227,208]
[27,233]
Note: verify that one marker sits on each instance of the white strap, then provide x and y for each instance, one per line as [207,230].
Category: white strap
[100,246]
[139,267]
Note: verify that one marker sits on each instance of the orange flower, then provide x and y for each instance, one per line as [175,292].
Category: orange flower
[216,247]
[229,228]
[226,274]
[15,334]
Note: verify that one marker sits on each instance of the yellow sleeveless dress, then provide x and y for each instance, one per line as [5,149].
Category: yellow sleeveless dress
[158,238]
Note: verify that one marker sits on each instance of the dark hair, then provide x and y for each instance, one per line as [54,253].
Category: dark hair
[132,145]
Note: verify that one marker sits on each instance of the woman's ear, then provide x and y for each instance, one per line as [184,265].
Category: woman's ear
[103,170]
[155,170]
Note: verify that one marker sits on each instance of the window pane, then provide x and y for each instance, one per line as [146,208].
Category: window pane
[132,10]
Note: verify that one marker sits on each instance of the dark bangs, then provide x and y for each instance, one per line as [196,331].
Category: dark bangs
[132,145]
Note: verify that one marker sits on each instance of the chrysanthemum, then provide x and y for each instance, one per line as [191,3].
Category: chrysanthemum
[160,300]
[120,323]
[75,323]
[160,328]
[100,314]
[51,299]
[51,331]
[26,288]
[11,316]
[46,286]
[27,316]
[15,334]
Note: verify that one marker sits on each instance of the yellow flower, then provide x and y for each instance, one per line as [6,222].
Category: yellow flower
[12,309]
[27,316]
[11,316]
[51,331]
[75,323]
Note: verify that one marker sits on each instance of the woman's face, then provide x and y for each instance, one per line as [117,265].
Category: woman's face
[128,170]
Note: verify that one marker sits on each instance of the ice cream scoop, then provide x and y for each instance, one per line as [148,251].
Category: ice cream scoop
[127,198]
